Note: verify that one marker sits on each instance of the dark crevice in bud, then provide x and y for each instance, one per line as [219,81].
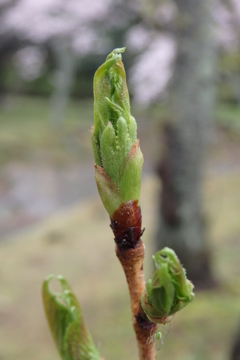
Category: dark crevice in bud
[143,321]
[126,224]
[142,318]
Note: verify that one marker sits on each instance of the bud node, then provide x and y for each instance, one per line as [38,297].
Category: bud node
[126,223]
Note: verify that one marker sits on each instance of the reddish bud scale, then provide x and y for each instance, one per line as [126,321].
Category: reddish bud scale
[126,224]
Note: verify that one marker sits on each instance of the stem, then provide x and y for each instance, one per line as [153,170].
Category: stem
[132,263]
[126,224]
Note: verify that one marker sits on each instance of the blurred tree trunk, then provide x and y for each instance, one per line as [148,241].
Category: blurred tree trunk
[66,66]
[235,351]
[192,94]
[235,73]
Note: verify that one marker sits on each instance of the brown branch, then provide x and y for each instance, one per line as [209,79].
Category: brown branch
[126,224]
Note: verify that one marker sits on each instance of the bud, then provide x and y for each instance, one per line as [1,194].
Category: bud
[169,290]
[118,158]
[66,323]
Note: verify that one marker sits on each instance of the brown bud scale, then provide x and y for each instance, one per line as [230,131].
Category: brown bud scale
[126,223]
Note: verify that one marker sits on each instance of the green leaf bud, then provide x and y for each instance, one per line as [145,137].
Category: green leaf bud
[108,152]
[107,190]
[66,323]
[123,146]
[95,146]
[131,174]
[114,135]
[132,128]
[169,290]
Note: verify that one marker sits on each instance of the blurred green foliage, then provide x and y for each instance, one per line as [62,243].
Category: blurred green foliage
[27,131]
[229,78]
[227,89]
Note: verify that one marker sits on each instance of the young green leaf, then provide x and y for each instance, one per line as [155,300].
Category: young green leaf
[66,323]
[114,135]
[169,290]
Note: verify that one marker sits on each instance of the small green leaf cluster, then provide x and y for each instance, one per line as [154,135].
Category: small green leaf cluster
[114,135]
[169,290]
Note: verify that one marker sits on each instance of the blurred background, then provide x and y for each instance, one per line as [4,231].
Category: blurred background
[183,69]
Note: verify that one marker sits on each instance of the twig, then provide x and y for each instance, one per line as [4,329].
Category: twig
[126,225]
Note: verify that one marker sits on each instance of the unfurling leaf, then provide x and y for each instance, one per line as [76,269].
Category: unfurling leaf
[114,135]
[66,323]
[169,290]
